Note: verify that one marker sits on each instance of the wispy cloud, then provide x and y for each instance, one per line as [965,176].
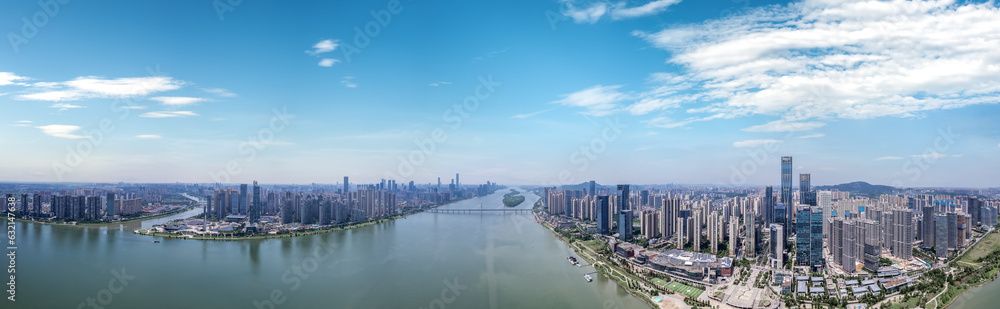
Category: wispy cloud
[592,11]
[620,11]
[529,115]
[148,136]
[64,106]
[134,107]
[22,123]
[8,78]
[490,54]
[888,158]
[930,155]
[168,114]
[838,59]
[818,135]
[328,62]
[61,131]
[785,126]
[323,46]
[220,92]
[439,84]
[597,100]
[177,101]
[94,87]
[755,142]
[348,81]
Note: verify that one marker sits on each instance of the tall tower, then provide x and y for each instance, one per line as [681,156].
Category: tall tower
[593,188]
[458,184]
[603,222]
[242,207]
[110,207]
[255,208]
[786,194]
[347,188]
[768,205]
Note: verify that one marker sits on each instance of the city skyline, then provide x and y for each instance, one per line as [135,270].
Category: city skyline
[687,105]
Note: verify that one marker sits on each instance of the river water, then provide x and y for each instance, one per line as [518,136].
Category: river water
[426,260]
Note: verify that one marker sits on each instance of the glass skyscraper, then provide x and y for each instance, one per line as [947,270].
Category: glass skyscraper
[786,193]
[603,222]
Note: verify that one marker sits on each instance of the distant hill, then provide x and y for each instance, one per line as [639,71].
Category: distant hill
[859,187]
[582,186]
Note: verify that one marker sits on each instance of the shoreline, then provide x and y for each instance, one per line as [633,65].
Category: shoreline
[145,232]
[645,300]
[89,224]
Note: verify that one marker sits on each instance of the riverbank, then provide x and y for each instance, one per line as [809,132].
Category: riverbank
[148,232]
[98,224]
[603,268]
[271,236]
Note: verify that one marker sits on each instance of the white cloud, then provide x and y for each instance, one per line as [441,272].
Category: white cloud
[22,123]
[823,59]
[64,106]
[784,126]
[529,115]
[597,100]
[439,84]
[592,11]
[133,107]
[61,130]
[348,82]
[148,136]
[755,142]
[177,101]
[323,47]
[818,135]
[220,92]
[931,155]
[93,87]
[168,114]
[590,14]
[327,62]
[8,78]
[888,158]
[653,7]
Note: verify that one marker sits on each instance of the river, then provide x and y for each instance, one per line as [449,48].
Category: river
[426,260]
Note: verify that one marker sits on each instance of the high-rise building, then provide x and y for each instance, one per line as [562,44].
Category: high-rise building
[648,224]
[458,184]
[952,230]
[254,211]
[927,231]
[816,237]
[786,194]
[780,212]
[836,238]
[347,187]
[110,207]
[668,214]
[768,205]
[242,205]
[824,200]
[734,229]
[625,225]
[802,237]
[777,246]
[900,233]
[603,221]
[804,186]
[941,236]
[713,231]
[751,239]
[623,197]
[871,246]
[593,188]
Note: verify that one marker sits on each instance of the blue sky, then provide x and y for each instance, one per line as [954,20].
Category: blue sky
[561,91]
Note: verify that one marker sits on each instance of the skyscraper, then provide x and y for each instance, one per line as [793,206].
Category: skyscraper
[777,246]
[927,231]
[593,188]
[824,199]
[900,233]
[625,225]
[786,194]
[254,210]
[804,185]
[768,205]
[458,183]
[713,231]
[623,197]
[603,222]
[242,206]
[648,224]
[816,237]
[941,236]
[110,208]
[348,188]
[802,237]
